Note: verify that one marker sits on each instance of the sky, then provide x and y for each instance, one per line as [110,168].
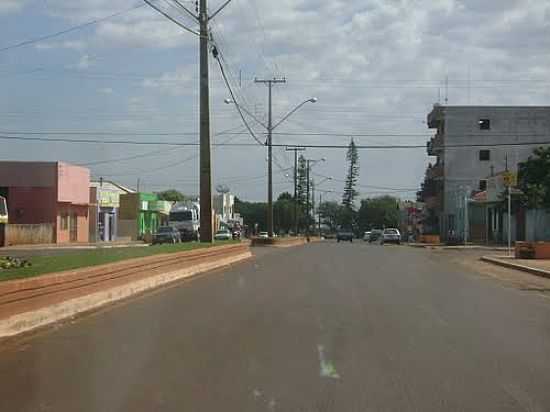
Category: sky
[375,66]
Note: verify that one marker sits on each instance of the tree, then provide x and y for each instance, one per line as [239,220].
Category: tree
[252,213]
[350,194]
[534,181]
[283,213]
[301,184]
[171,195]
[285,196]
[331,213]
[378,212]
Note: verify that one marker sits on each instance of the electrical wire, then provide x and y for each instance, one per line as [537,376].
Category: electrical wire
[68,30]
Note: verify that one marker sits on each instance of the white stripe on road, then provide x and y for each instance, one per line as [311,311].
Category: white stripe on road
[327,368]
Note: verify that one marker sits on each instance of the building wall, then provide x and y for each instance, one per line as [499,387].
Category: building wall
[463,168]
[73,184]
[31,205]
[76,213]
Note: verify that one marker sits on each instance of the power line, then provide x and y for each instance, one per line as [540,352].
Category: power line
[70,29]
[313,146]
[173,20]
[236,103]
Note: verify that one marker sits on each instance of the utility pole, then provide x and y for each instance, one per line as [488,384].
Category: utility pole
[206,232]
[205,171]
[307,199]
[295,150]
[138,184]
[319,211]
[270,83]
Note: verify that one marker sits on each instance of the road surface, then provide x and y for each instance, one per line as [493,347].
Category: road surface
[326,327]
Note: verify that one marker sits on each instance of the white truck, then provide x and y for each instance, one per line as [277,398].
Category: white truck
[185,217]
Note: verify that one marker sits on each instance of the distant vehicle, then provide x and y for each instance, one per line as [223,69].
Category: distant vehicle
[375,235]
[236,234]
[391,235]
[3,210]
[366,236]
[263,235]
[166,234]
[223,234]
[185,217]
[344,234]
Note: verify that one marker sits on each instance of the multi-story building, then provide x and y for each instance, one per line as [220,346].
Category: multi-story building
[470,144]
[223,204]
[47,201]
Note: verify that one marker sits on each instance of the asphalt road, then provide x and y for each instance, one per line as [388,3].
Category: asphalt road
[326,327]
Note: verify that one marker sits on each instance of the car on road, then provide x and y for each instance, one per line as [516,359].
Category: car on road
[366,236]
[166,234]
[375,235]
[263,235]
[391,235]
[223,234]
[344,235]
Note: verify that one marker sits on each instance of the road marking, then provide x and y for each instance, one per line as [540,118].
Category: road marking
[327,367]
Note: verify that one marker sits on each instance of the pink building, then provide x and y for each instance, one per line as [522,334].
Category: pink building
[52,193]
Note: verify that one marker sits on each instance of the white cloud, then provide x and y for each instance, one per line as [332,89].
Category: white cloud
[106,90]
[11,6]
[77,45]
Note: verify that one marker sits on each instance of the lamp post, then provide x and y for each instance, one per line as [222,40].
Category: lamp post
[270,127]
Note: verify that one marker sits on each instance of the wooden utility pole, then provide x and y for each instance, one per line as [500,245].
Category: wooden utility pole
[270,83]
[206,230]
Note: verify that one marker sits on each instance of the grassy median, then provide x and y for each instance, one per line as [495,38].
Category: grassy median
[74,260]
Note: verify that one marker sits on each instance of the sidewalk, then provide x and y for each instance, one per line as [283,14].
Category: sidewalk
[536,267]
[98,245]
[442,246]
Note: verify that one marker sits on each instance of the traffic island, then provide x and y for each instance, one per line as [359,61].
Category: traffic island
[26,304]
[278,241]
[535,267]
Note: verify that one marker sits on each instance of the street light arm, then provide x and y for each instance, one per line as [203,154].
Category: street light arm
[229,101]
[312,100]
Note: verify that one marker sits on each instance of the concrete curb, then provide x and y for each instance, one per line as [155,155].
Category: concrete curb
[510,265]
[27,321]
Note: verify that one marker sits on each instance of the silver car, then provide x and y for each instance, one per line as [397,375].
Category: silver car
[391,235]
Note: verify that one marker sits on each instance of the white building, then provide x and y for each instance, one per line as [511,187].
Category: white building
[472,143]
[223,206]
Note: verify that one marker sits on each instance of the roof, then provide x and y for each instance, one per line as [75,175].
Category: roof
[96,183]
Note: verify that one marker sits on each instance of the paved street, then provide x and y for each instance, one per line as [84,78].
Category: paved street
[327,327]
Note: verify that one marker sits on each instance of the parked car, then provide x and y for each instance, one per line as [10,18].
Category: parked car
[344,235]
[166,234]
[223,234]
[375,235]
[391,235]
[366,236]
[263,235]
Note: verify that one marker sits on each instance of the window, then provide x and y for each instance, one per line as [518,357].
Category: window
[483,185]
[484,124]
[484,155]
[64,221]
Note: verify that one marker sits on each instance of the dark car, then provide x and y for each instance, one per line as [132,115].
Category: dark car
[166,234]
[344,235]
[375,235]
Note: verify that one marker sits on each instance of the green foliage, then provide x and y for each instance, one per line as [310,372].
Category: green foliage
[301,180]
[252,213]
[331,213]
[171,195]
[350,194]
[378,212]
[534,179]
[285,196]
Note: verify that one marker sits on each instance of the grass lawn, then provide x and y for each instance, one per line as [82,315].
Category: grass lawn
[50,264]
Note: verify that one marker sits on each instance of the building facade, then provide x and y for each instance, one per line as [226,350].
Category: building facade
[104,207]
[48,193]
[223,204]
[470,144]
[140,215]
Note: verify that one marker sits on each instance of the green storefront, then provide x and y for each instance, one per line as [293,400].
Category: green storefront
[139,215]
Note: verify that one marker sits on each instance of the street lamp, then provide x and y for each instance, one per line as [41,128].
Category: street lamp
[270,127]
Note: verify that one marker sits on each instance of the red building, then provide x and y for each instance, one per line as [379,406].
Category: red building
[48,193]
